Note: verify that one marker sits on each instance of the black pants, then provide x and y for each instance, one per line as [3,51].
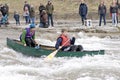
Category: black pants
[102,16]
[50,18]
[83,18]
[73,48]
[30,42]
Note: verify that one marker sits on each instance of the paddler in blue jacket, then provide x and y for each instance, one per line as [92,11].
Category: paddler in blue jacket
[28,36]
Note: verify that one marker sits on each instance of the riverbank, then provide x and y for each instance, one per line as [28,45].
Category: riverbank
[74,27]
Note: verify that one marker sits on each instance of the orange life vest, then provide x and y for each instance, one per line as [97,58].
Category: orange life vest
[64,39]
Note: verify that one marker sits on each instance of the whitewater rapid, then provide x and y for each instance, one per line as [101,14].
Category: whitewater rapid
[15,66]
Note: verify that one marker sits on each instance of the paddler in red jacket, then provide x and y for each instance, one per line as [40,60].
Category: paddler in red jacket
[67,43]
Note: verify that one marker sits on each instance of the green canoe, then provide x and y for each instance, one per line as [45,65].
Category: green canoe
[46,50]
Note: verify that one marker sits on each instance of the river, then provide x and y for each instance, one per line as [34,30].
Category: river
[15,66]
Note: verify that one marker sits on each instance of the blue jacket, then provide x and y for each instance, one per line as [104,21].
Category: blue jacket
[83,9]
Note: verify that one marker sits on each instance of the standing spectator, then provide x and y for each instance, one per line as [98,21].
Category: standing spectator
[32,14]
[26,15]
[83,9]
[118,4]
[17,18]
[41,8]
[50,9]
[102,12]
[114,13]
[26,5]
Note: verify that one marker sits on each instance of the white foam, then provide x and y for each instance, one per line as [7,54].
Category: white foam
[15,66]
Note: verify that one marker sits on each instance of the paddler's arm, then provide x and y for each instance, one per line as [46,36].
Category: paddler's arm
[33,37]
[58,43]
[23,37]
[72,41]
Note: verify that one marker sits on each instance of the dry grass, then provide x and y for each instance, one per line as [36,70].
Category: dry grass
[62,7]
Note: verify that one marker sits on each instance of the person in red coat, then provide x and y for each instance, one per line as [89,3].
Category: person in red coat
[67,43]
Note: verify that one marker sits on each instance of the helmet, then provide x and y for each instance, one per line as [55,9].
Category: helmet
[32,25]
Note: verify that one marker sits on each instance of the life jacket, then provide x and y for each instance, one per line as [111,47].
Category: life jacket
[29,34]
[64,39]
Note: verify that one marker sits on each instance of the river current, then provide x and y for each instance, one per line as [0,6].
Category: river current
[15,66]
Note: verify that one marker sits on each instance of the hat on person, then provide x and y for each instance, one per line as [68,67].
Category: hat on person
[32,25]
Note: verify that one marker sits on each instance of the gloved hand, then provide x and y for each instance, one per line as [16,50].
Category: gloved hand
[24,44]
[72,40]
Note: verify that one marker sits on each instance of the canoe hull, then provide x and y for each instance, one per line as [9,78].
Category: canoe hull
[15,45]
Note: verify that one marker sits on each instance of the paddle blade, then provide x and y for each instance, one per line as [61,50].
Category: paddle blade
[51,56]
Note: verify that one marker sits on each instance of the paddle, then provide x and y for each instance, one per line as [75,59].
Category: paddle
[51,55]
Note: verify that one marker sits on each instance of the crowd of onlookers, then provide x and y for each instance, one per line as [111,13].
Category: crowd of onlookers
[29,14]
[46,13]
[102,10]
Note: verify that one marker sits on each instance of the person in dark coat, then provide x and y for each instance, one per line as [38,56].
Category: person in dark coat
[41,8]
[102,12]
[7,9]
[26,5]
[4,10]
[83,9]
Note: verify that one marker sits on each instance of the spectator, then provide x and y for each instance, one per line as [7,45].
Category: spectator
[7,9]
[41,8]
[26,5]
[17,18]
[4,9]
[102,12]
[114,13]
[26,15]
[83,9]
[50,9]
[44,19]
[32,14]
